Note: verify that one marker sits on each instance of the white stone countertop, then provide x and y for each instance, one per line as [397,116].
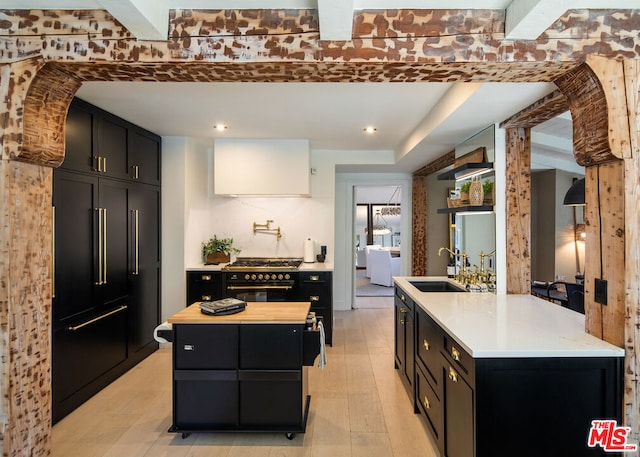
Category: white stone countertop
[487,325]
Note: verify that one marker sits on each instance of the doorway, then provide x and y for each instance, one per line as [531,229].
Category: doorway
[377,221]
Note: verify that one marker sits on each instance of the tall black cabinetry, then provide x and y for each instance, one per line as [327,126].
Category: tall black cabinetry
[107,255]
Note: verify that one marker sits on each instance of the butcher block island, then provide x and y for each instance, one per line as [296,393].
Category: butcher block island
[503,375]
[243,371]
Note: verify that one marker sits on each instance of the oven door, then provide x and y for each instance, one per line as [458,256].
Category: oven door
[262,291]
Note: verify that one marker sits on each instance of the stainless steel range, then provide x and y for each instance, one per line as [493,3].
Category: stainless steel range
[262,279]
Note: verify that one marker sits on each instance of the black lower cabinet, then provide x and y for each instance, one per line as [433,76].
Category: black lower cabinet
[501,407]
[84,355]
[239,377]
[204,401]
[205,285]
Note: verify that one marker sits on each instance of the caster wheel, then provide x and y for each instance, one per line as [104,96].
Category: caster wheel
[290,435]
[186,435]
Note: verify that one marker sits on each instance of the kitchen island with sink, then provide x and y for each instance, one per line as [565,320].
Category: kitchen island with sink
[244,371]
[502,375]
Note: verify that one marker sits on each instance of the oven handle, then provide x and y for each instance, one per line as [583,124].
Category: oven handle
[265,287]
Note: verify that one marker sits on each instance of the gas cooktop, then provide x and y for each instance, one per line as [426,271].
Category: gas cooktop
[264,263]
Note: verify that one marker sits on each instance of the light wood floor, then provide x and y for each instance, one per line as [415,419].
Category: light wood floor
[358,408]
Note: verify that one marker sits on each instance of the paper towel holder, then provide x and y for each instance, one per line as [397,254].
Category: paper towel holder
[266,228]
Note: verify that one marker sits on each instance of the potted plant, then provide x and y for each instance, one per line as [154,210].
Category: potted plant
[464,192]
[218,250]
[487,186]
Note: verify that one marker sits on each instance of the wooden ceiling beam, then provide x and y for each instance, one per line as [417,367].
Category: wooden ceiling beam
[546,108]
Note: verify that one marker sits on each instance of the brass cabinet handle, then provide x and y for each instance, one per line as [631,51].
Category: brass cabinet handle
[455,354]
[401,312]
[73,328]
[136,214]
[402,297]
[265,287]
[104,245]
[206,298]
[206,277]
[453,375]
[314,278]
[426,345]
[104,164]
[98,212]
[134,169]
[425,402]
[314,298]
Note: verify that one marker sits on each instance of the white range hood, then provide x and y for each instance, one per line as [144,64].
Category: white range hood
[250,167]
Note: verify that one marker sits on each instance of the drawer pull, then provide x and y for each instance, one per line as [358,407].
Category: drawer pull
[426,345]
[403,298]
[206,298]
[453,375]
[426,403]
[401,312]
[455,354]
[314,298]
[73,328]
[206,277]
[314,278]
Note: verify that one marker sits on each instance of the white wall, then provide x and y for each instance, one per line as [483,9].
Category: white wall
[173,288]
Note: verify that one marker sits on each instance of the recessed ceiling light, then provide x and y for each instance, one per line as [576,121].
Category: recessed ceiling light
[370,130]
[220,127]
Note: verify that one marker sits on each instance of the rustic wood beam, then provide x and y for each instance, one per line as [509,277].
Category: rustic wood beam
[45,114]
[589,107]
[546,108]
[437,164]
[518,208]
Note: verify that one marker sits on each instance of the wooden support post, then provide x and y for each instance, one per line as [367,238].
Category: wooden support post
[419,226]
[604,258]
[518,169]
[632,257]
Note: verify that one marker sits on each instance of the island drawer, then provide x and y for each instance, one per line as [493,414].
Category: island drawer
[459,358]
[429,343]
[430,405]
[271,346]
[405,299]
[196,346]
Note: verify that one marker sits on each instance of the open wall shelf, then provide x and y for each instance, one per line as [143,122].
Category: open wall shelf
[465,170]
[466,209]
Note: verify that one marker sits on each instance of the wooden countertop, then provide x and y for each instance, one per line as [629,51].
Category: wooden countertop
[255,313]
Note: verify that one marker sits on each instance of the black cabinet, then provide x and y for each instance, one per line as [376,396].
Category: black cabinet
[144,264]
[102,144]
[239,377]
[204,286]
[429,374]
[106,300]
[110,151]
[316,287]
[404,339]
[144,157]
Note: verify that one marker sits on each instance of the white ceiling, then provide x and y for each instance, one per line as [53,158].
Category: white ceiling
[416,122]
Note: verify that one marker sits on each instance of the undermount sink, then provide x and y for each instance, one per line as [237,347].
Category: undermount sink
[436,286]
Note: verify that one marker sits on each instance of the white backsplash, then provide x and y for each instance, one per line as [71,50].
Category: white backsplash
[298,219]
